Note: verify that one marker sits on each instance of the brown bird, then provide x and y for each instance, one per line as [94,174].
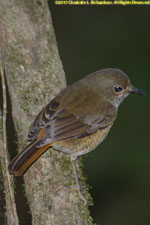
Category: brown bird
[77,119]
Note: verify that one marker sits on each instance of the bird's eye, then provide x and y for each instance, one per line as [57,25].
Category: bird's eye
[118,89]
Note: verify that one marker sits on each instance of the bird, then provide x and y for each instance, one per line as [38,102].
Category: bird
[77,120]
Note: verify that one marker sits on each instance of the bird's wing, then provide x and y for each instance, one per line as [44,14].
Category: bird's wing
[72,116]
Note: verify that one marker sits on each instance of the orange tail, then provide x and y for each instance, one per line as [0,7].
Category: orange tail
[25,158]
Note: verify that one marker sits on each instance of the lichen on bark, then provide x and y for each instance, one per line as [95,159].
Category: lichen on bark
[34,75]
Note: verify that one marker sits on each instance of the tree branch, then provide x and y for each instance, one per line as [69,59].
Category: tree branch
[34,76]
[9,194]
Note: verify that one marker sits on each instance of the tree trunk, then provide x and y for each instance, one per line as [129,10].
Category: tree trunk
[31,75]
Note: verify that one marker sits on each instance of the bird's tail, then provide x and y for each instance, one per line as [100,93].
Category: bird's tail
[25,158]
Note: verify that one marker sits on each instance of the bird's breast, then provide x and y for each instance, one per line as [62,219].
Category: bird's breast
[81,146]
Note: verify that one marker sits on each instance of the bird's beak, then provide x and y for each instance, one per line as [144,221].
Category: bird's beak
[136,91]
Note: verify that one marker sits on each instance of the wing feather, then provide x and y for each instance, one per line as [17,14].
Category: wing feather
[63,119]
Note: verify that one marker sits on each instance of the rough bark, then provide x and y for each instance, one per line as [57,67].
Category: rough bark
[34,75]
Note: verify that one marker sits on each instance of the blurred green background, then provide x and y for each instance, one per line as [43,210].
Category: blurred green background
[91,38]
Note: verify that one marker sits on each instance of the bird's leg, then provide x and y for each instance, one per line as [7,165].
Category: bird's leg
[73,160]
